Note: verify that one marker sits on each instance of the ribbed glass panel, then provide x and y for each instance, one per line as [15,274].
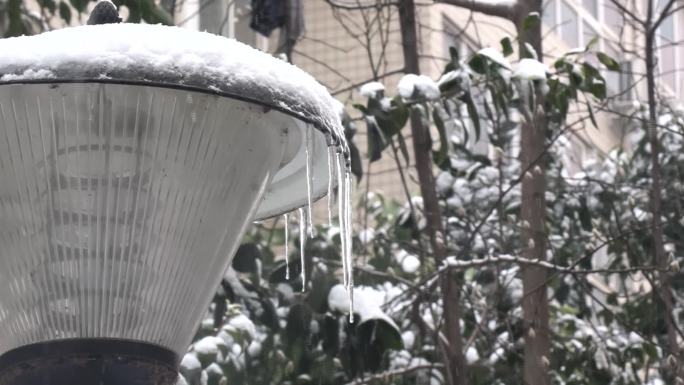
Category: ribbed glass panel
[120,206]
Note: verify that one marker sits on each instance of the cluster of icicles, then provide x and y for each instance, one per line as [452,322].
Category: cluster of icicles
[337,170]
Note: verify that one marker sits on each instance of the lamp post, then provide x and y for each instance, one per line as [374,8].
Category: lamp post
[132,158]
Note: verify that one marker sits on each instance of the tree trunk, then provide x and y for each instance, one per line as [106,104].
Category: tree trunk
[422,146]
[662,294]
[533,213]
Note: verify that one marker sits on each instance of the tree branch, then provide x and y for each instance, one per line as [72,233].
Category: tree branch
[453,263]
[399,372]
[503,8]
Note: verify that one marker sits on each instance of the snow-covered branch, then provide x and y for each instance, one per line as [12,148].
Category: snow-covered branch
[389,374]
[357,5]
[500,8]
[453,263]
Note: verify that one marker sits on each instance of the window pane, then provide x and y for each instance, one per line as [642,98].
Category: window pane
[211,15]
[667,30]
[243,32]
[589,33]
[668,52]
[612,16]
[614,80]
[626,80]
[667,65]
[591,6]
[569,25]
[549,13]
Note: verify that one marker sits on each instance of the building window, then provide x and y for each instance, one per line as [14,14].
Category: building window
[455,37]
[591,6]
[569,25]
[619,84]
[612,17]
[626,81]
[229,19]
[668,52]
[549,13]
[588,33]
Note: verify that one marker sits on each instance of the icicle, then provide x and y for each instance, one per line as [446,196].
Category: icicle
[287,251]
[331,176]
[348,242]
[302,245]
[341,219]
[309,180]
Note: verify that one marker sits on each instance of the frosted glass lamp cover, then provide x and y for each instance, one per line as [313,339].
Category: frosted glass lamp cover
[126,185]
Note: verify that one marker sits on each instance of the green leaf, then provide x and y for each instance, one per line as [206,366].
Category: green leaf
[399,114]
[453,53]
[507,46]
[50,5]
[590,72]
[381,333]
[441,156]
[592,118]
[594,40]
[478,63]
[245,258]
[65,12]
[278,275]
[79,5]
[356,164]
[473,114]
[375,141]
[361,108]
[598,89]
[298,321]
[608,61]
[146,10]
[531,21]
[214,375]
[331,335]
[403,148]
[584,215]
[16,25]
[389,120]
[651,350]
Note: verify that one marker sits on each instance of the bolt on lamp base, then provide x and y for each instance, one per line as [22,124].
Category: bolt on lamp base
[91,361]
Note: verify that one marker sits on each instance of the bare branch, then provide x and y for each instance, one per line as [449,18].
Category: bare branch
[504,9]
[466,264]
[389,374]
[359,84]
[628,12]
[358,6]
[664,14]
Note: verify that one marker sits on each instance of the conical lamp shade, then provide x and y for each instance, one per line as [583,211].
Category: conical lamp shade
[121,203]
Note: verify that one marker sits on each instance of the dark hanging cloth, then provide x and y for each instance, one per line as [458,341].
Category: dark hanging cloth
[268,15]
[293,28]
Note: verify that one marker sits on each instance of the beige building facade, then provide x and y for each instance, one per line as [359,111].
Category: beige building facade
[346,48]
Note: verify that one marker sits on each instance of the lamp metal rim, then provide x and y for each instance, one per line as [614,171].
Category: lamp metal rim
[269,103]
[86,360]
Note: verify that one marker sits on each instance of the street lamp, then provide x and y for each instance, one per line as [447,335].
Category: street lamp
[132,158]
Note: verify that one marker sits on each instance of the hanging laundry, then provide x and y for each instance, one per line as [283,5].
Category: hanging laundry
[293,28]
[268,15]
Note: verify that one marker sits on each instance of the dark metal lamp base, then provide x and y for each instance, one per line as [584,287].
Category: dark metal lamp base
[89,361]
